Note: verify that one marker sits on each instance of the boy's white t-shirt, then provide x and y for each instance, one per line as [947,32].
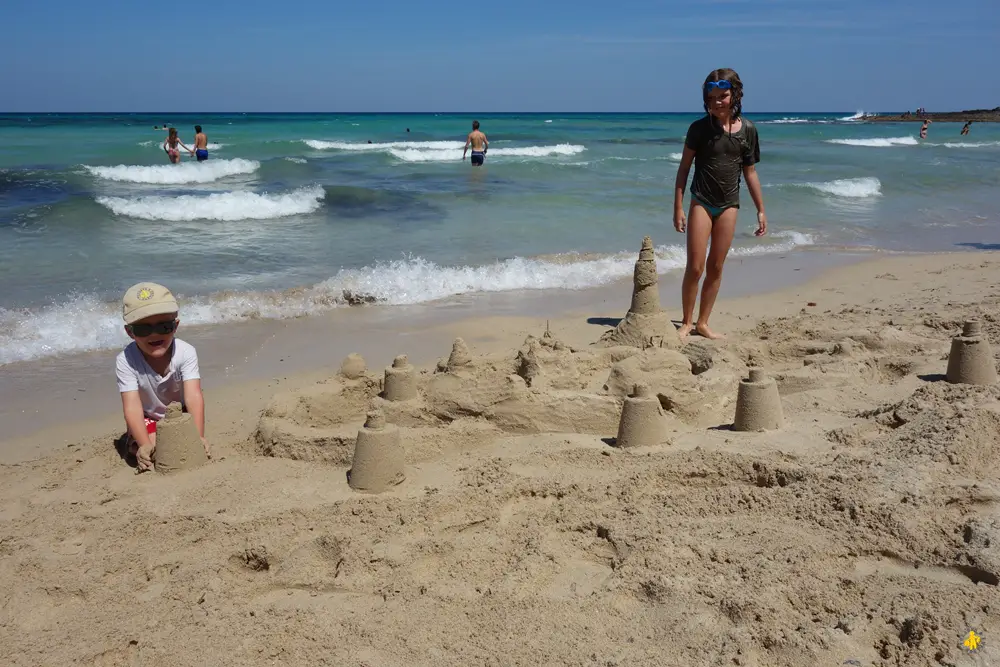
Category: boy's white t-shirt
[157,391]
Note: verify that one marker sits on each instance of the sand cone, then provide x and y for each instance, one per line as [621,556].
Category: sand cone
[758,405]
[400,380]
[971,360]
[379,460]
[642,421]
[178,445]
[460,355]
[353,366]
[646,323]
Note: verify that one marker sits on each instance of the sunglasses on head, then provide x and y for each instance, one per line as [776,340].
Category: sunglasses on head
[143,330]
[721,85]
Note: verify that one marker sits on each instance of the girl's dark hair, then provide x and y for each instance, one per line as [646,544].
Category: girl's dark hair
[173,131]
[726,74]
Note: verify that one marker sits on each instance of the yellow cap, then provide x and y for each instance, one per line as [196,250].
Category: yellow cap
[147,299]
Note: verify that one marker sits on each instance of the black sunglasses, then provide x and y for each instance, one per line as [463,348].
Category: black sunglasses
[143,330]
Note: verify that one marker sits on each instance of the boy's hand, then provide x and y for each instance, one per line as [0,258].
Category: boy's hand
[680,220]
[204,443]
[761,224]
[144,456]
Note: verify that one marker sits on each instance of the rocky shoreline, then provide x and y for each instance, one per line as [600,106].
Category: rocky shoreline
[976,115]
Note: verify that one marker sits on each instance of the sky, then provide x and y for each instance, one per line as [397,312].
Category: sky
[507,56]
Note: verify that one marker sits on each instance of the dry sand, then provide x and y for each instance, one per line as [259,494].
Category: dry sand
[865,531]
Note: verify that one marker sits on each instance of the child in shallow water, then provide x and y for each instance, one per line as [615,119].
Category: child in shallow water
[723,147]
[170,145]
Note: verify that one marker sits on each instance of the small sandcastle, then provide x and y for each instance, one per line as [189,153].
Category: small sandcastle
[400,380]
[642,421]
[971,359]
[379,459]
[646,323]
[178,445]
[758,404]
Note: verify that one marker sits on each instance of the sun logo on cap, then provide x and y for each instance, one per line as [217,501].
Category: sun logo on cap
[145,294]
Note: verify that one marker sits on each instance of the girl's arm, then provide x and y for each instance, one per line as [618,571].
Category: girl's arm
[753,185]
[687,157]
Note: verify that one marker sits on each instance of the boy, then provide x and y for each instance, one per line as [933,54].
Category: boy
[200,144]
[155,369]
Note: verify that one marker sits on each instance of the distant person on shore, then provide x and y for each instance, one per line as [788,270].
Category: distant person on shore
[155,369]
[170,145]
[479,144]
[200,144]
[965,128]
[923,129]
[723,146]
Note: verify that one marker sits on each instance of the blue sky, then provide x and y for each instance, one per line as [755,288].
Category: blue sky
[512,55]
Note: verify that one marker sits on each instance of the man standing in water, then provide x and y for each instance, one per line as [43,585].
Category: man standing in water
[200,144]
[477,140]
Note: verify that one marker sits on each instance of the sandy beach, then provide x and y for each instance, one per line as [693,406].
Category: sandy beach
[865,530]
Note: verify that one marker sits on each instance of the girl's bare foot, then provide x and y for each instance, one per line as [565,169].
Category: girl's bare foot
[704,331]
[684,330]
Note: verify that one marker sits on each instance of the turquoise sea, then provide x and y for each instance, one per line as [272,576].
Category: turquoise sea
[297,213]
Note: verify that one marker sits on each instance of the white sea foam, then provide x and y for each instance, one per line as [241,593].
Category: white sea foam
[857,188]
[968,144]
[676,157]
[858,116]
[40,333]
[297,160]
[176,174]
[220,206]
[354,146]
[454,154]
[159,144]
[442,151]
[877,142]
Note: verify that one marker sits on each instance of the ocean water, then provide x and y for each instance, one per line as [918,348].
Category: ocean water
[298,213]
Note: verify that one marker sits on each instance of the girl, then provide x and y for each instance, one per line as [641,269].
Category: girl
[723,145]
[173,142]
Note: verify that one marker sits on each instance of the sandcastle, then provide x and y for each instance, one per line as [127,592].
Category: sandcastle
[758,405]
[642,421]
[971,359]
[460,355]
[646,323]
[178,445]
[400,380]
[353,366]
[379,460]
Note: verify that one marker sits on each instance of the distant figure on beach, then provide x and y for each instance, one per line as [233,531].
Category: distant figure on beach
[200,144]
[723,146]
[923,129]
[155,369]
[479,144]
[170,145]
[965,128]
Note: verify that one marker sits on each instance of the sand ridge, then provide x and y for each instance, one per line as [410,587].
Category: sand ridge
[866,528]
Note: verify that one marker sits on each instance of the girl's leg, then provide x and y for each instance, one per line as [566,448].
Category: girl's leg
[722,238]
[699,228]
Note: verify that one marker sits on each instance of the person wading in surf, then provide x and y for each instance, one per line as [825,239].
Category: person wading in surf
[170,145]
[477,140]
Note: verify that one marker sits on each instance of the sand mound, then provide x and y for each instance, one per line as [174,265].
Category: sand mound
[863,532]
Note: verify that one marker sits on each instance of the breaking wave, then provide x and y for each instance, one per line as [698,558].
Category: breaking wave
[31,334]
[176,174]
[220,206]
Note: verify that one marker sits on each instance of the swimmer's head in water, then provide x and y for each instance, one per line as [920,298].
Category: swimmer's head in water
[715,97]
[197,128]
[475,125]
